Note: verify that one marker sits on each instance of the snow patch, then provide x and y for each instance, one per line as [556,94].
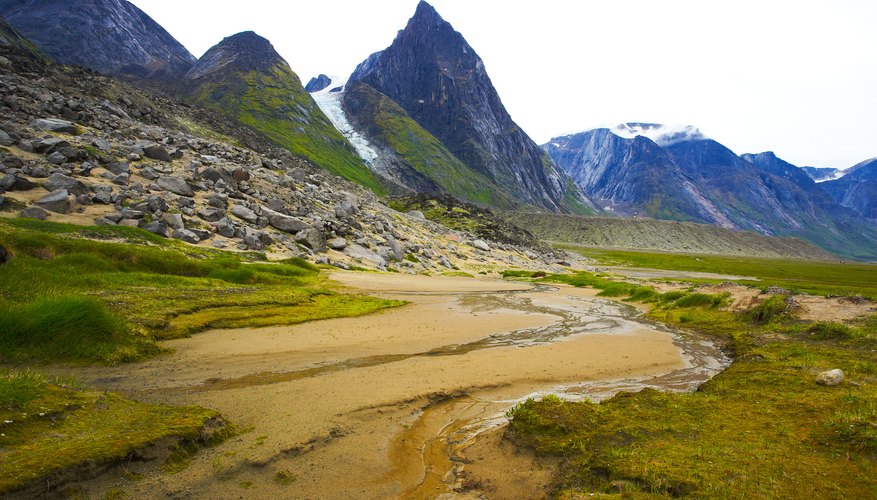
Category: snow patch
[329,101]
[663,135]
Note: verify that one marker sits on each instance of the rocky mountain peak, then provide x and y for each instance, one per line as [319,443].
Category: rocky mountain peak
[426,16]
[245,51]
[110,36]
[318,83]
[663,135]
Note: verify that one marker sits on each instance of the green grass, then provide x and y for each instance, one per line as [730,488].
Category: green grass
[275,104]
[50,428]
[761,429]
[814,277]
[106,294]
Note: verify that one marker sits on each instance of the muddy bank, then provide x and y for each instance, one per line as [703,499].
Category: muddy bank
[374,406]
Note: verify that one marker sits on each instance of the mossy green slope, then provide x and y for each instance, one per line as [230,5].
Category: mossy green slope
[389,126]
[246,79]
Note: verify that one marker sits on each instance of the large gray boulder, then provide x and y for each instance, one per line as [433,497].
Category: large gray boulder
[211,214]
[155,151]
[244,213]
[61,181]
[284,222]
[312,238]
[34,213]
[185,235]
[176,185]
[363,254]
[58,201]
[54,125]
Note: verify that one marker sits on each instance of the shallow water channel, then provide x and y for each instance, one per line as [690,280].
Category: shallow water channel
[384,405]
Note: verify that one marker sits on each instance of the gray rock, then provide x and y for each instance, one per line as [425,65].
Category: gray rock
[115,218]
[363,254]
[130,213]
[211,214]
[176,185]
[158,227]
[102,144]
[174,220]
[61,181]
[395,248]
[156,152]
[201,233]
[12,161]
[103,221]
[185,235]
[285,222]
[49,145]
[5,139]
[218,200]
[416,215]
[39,172]
[346,208]
[58,201]
[56,158]
[337,243]
[119,167]
[54,125]
[244,214]
[480,245]
[148,173]
[830,377]
[11,182]
[122,179]
[312,238]
[254,239]
[34,213]
[225,227]
[129,223]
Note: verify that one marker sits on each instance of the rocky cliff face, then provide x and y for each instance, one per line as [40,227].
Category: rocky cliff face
[857,189]
[689,177]
[821,174]
[245,78]
[110,36]
[432,73]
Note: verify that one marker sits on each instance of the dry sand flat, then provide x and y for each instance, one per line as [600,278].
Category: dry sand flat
[364,407]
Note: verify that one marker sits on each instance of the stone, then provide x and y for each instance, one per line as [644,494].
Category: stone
[156,152]
[49,145]
[61,181]
[480,245]
[34,213]
[12,161]
[253,239]
[119,167]
[148,173]
[201,233]
[217,200]
[244,214]
[337,243]
[174,220]
[122,179]
[103,221]
[5,139]
[395,248]
[830,378]
[363,254]
[56,158]
[312,238]
[176,185]
[285,222]
[225,227]
[185,235]
[129,223]
[12,182]
[54,125]
[58,201]
[211,214]
[158,227]
[416,215]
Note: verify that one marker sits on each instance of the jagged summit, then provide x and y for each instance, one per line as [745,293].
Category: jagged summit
[245,51]
[318,83]
[441,83]
[110,36]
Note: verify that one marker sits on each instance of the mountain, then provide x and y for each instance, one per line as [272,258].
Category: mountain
[432,73]
[110,36]
[245,78]
[820,174]
[677,173]
[857,189]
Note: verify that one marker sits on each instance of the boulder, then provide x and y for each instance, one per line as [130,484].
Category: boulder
[337,243]
[211,214]
[225,227]
[56,158]
[34,213]
[12,161]
[12,182]
[49,145]
[480,245]
[244,214]
[285,222]
[54,125]
[176,185]
[312,238]
[830,377]
[5,139]
[156,152]
[61,181]
[185,235]
[174,220]
[416,215]
[58,201]
[363,254]
[158,227]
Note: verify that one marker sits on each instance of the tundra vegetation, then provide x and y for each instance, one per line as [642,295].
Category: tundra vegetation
[762,428]
[108,294]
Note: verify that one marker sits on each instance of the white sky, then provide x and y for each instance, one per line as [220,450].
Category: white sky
[795,77]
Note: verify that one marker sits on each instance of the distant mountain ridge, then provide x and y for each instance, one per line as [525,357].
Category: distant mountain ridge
[857,189]
[111,36]
[693,178]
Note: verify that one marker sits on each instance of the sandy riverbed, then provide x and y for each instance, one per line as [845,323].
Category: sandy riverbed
[359,407]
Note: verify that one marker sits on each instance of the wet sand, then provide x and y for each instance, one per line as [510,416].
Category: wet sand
[374,406]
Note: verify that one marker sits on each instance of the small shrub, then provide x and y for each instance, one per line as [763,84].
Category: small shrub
[18,388]
[827,330]
[772,308]
[700,300]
